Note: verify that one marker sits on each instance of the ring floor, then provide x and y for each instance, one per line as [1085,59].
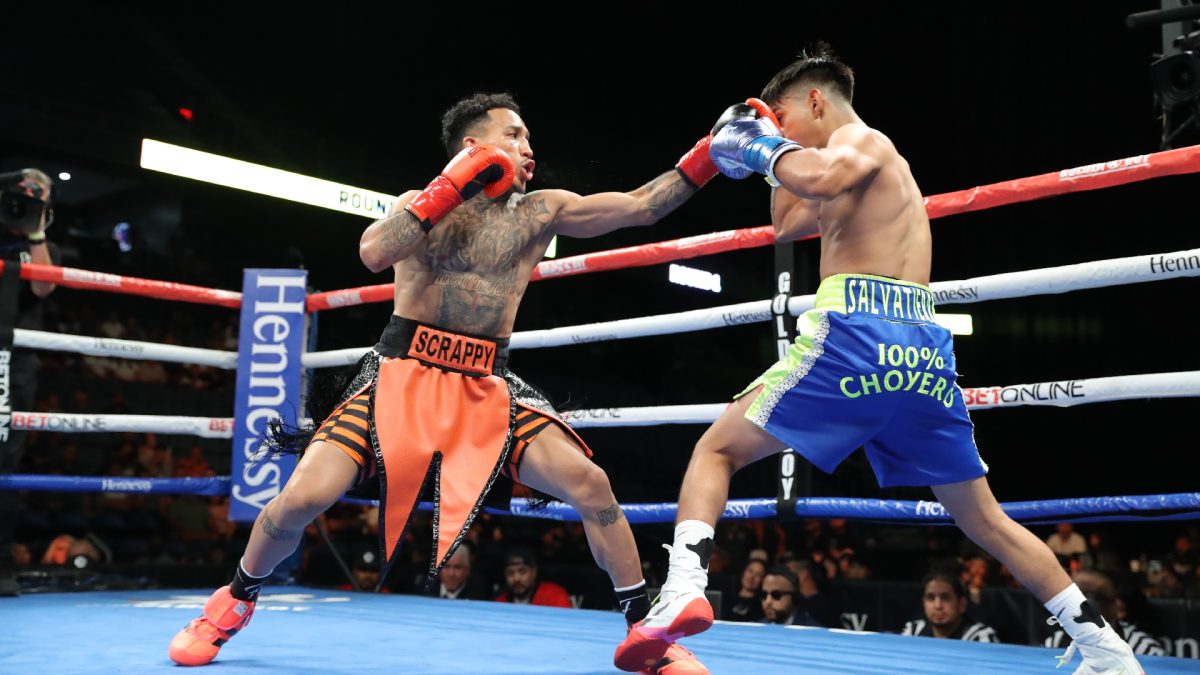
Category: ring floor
[301,630]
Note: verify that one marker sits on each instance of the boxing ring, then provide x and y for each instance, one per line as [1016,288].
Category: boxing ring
[300,630]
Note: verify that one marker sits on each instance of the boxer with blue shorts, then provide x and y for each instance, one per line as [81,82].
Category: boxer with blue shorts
[870,367]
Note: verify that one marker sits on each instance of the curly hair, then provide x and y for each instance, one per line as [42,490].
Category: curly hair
[462,116]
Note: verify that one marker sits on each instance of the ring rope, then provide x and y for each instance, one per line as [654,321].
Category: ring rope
[1180,506]
[1050,280]
[124,349]
[116,283]
[1063,393]
[1089,177]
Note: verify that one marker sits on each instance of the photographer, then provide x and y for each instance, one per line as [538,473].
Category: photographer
[25,213]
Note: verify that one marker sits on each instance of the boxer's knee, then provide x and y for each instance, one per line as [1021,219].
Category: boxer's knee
[588,488]
[301,501]
[712,450]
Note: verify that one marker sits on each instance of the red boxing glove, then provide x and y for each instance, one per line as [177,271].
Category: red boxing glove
[695,166]
[479,167]
[764,110]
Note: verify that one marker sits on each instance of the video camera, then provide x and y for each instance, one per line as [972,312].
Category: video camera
[23,201]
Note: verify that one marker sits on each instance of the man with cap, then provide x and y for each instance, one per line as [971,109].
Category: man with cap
[364,566]
[522,585]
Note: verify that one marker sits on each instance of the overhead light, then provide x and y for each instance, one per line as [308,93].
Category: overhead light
[694,278]
[64,176]
[958,324]
[263,180]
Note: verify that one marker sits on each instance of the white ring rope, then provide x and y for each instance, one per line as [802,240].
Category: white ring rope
[1138,269]
[333,359]
[1050,280]
[1061,394]
[204,427]
[124,349]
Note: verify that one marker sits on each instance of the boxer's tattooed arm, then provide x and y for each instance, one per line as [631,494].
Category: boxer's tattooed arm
[274,532]
[610,515]
[401,231]
[665,193]
[390,240]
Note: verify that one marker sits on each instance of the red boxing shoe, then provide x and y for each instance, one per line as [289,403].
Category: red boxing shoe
[679,611]
[677,661]
[198,643]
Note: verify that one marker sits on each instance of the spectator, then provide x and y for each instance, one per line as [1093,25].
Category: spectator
[974,578]
[193,464]
[1065,542]
[794,601]
[523,587]
[945,608]
[1162,581]
[67,550]
[364,565]
[219,524]
[455,581]
[20,554]
[1104,557]
[112,327]
[851,568]
[746,605]
[1184,558]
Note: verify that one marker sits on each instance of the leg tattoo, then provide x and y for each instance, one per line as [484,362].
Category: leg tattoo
[275,532]
[610,515]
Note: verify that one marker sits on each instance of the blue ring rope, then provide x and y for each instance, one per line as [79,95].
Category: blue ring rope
[1181,506]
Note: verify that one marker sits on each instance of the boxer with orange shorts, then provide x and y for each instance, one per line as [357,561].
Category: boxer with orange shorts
[434,402]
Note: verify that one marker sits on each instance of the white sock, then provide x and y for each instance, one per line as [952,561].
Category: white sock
[1068,608]
[687,562]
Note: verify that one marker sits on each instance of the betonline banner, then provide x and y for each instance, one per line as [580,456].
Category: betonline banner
[270,344]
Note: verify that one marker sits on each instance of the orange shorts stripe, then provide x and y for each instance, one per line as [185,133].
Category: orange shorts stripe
[529,425]
[356,421]
[349,435]
[341,428]
[358,459]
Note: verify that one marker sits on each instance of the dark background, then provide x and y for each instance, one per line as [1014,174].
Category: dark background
[971,93]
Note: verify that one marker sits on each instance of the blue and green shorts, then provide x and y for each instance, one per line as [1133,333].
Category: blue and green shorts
[871,368]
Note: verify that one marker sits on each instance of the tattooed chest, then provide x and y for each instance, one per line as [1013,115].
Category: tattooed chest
[467,245]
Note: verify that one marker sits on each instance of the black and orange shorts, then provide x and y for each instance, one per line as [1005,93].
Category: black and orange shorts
[349,426]
[349,429]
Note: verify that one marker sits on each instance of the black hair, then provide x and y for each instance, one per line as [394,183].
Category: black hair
[458,120]
[816,66]
[956,584]
[781,571]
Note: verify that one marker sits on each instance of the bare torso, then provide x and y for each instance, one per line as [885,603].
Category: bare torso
[471,271]
[879,226]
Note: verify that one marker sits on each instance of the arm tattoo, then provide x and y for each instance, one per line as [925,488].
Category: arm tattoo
[610,515]
[400,232]
[272,531]
[666,193]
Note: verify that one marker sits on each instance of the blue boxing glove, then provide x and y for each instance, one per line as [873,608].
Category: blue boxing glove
[744,143]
